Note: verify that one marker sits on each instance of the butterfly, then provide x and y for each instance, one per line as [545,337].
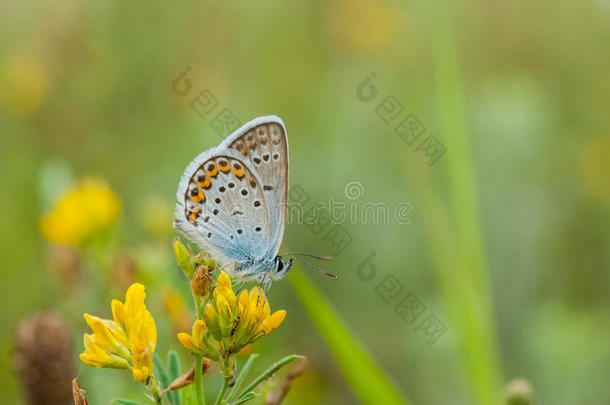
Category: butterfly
[232,201]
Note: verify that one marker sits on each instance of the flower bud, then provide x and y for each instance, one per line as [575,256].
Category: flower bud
[184,259]
[519,392]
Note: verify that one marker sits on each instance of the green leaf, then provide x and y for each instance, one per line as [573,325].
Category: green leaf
[269,372]
[173,369]
[189,395]
[242,375]
[460,255]
[370,383]
[160,372]
[126,402]
[246,397]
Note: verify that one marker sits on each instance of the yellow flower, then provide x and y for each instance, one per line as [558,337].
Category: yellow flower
[82,212]
[126,341]
[230,323]
[363,25]
[197,342]
[594,164]
[23,85]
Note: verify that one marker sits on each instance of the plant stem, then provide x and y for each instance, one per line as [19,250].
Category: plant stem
[199,380]
[155,391]
[198,306]
[199,359]
[223,391]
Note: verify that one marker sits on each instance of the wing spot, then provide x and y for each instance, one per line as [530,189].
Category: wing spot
[224,166]
[257,203]
[244,192]
[206,219]
[231,185]
[252,184]
[238,170]
[240,231]
[217,200]
[237,212]
[276,156]
[266,157]
[258,229]
[215,212]
[222,189]
[257,160]
[267,188]
[209,234]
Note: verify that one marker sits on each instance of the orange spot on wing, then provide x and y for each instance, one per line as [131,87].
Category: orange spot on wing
[239,173]
[224,169]
[213,172]
[194,214]
[206,183]
[199,197]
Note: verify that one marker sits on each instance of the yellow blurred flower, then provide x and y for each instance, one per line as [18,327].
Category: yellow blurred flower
[126,341]
[365,25]
[176,309]
[23,85]
[81,213]
[231,323]
[594,168]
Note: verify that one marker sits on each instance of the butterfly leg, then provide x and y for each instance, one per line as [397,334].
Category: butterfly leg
[240,286]
[260,287]
[267,287]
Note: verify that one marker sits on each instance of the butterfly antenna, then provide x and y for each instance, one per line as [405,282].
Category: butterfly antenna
[309,255]
[313,266]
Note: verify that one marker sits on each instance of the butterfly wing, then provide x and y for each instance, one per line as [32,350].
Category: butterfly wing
[221,206]
[263,144]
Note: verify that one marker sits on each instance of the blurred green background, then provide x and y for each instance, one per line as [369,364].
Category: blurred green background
[507,244]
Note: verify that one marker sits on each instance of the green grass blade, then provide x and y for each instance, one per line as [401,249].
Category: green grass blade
[126,402]
[173,370]
[269,372]
[369,382]
[242,375]
[463,273]
[245,398]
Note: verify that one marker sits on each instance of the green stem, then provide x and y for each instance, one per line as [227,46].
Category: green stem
[223,391]
[199,380]
[198,306]
[155,391]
